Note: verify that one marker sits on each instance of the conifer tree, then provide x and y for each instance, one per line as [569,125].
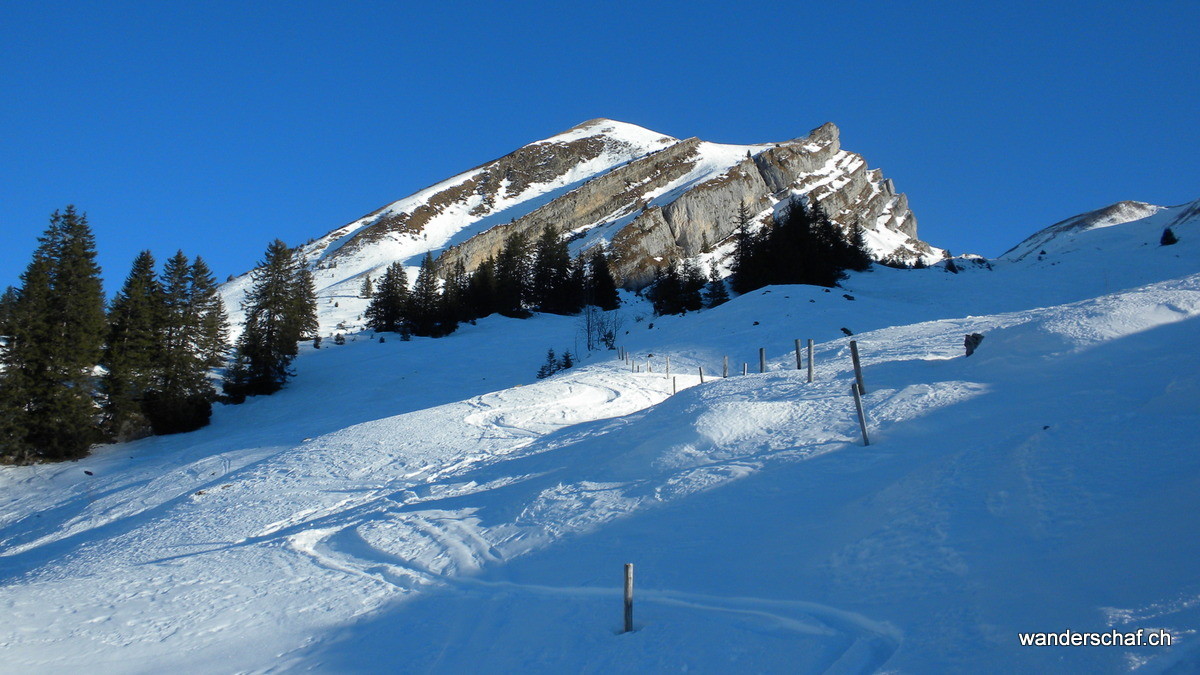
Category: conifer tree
[667,292]
[8,304]
[549,367]
[367,289]
[386,311]
[427,314]
[715,293]
[512,277]
[601,287]
[576,292]
[745,269]
[280,311]
[178,326]
[454,293]
[57,331]
[212,344]
[191,340]
[131,353]
[691,282]
[858,255]
[479,298]
[550,290]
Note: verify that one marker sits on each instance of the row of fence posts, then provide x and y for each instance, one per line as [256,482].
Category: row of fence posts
[858,389]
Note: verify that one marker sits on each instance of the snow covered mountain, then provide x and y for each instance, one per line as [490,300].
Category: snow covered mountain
[649,197]
[428,506]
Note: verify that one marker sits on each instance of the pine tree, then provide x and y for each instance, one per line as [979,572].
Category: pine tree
[549,367]
[480,294]
[454,293]
[715,293]
[550,290]
[601,287]
[280,311]
[367,289]
[131,354]
[575,291]
[192,339]
[858,255]
[178,326]
[57,333]
[513,277]
[666,294]
[8,305]
[691,282]
[746,275]
[386,311]
[427,314]
[827,252]
[212,335]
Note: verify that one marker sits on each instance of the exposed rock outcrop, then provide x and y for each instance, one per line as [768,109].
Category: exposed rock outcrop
[650,198]
[686,218]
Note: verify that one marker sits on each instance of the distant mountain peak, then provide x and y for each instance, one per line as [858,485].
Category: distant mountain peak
[647,197]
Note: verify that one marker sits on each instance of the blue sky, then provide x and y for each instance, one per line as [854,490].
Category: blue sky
[215,127]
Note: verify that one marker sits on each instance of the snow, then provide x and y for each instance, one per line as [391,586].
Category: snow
[449,226]
[429,506]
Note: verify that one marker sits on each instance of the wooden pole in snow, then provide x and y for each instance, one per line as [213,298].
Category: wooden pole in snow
[725,368]
[745,368]
[701,374]
[862,418]
[857,366]
[628,597]
[810,361]
[762,360]
[672,386]
[668,365]
[799,360]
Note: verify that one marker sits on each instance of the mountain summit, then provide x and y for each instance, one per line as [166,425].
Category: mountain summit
[646,196]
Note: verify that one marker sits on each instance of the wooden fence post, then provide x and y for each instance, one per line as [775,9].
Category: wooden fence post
[628,597]
[701,374]
[745,368]
[725,367]
[762,360]
[862,419]
[799,360]
[672,386]
[810,360]
[857,366]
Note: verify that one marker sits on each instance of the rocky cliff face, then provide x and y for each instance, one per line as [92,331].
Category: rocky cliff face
[650,198]
[681,200]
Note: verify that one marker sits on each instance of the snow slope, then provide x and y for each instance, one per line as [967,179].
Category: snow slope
[429,507]
[622,143]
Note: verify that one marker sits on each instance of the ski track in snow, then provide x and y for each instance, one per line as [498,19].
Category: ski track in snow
[247,547]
